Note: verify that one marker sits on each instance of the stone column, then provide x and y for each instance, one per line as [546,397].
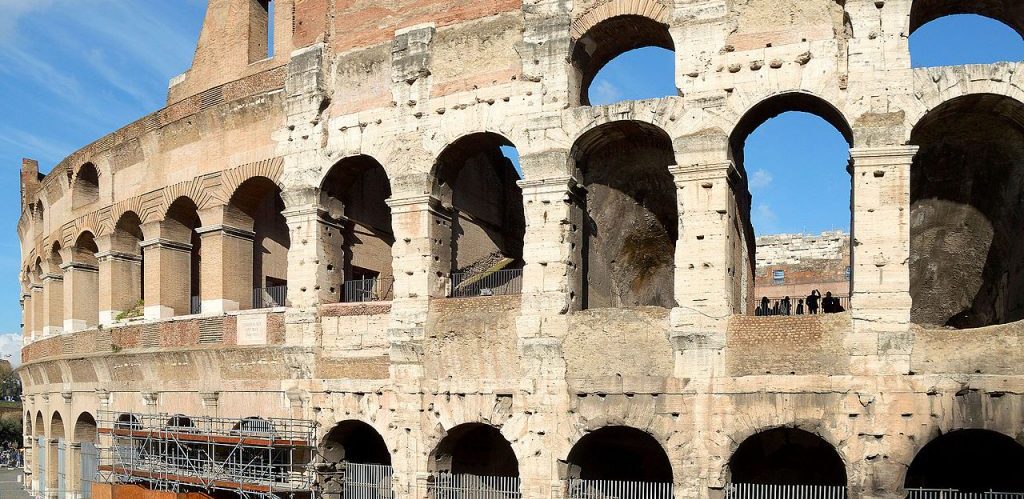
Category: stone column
[73,470]
[881,342]
[81,286]
[53,304]
[120,276]
[709,262]
[227,259]
[38,311]
[315,258]
[168,278]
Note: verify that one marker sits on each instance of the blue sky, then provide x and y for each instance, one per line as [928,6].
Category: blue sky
[72,71]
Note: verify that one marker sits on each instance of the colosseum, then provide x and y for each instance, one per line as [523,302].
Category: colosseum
[315,273]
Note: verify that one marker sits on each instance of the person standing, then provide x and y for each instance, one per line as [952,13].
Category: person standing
[800,307]
[812,302]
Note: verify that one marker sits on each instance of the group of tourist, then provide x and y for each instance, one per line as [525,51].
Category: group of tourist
[816,304]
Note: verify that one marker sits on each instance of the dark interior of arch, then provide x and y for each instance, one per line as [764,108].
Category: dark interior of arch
[1009,12]
[86,188]
[787,456]
[56,426]
[619,453]
[180,225]
[257,205]
[39,429]
[476,449]
[631,218]
[971,461]
[354,193]
[611,38]
[85,428]
[479,184]
[967,207]
[354,442]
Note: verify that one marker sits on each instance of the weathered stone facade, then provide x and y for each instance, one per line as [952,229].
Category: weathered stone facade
[125,239]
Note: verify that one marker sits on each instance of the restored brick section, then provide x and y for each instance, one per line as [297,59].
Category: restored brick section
[787,345]
[349,309]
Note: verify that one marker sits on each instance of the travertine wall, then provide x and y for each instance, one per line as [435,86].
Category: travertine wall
[401,84]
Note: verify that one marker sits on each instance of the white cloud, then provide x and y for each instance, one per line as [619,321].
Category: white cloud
[11,12]
[604,92]
[760,179]
[10,347]
[766,221]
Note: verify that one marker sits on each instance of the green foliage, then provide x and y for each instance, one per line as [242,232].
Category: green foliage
[135,311]
[11,428]
[114,348]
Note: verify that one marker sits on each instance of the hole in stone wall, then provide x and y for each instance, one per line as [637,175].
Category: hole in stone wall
[787,456]
[970,461]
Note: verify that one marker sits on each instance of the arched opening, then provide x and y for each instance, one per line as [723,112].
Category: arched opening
[82,280]
[475,449]
[128,449]
[182,258]
[87,460]
[963,38]
[615,37]
[1008,12]
[967,205]
[969,461]
[793,155]
[176,452]
[86,186]
[255,462]
[475,180]
[127,268]
[56,475]
[354,195]
[54,283]
[37,213]
[257,206]
[631,219]
[787,456]
[619,453]
[39,456]
[355,457]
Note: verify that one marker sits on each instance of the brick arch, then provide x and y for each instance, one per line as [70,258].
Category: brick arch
[70,232]
[203,191]
[232,179]
[651,9]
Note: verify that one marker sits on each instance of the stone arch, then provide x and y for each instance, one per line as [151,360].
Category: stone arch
[941,85]
[1008,12]
[126,264]
[348,442]
[56,426]
[787,455]
[28,423]
[81,281]
[969,460]
[477,184]
[474,449]
[966,187]
[179,240]
[609,30]
[40,427]
[620,453]
[85,189]
[85,429]
[256,205]
[631,214]
[359,234]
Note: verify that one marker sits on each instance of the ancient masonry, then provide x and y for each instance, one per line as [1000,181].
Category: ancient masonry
[314,270]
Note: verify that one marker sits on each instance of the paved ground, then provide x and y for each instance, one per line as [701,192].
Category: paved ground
[10,487]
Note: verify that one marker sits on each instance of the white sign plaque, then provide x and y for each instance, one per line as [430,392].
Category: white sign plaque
[252,329]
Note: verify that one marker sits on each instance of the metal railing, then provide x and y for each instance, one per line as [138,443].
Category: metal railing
[499,282]
[269,297]
[776,306]
[451,486]
[357,481]
[767,491]
[956,494]
[365,290]
[617,489]
[195,305]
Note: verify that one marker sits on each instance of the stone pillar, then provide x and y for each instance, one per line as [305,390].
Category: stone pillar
[881,342]
[26,317]
[315,258]
[81,300]
[709,257]
[53,304]
[227,259]
[168,278]
[52,463]
[73,470]
[120,276]
[38,311]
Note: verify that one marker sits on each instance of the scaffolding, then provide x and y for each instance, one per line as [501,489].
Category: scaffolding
[254,457]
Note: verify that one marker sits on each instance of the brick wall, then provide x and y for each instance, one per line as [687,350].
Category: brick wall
[787,345]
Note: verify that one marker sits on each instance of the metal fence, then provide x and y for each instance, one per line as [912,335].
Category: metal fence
[269,297]
[452,486]
[357,481]
[90,468]
[956,494]
[499,282]
[776,306]
[766,491]
[62,472]
[195,305]
[617,489]
[40,460]
[365,290]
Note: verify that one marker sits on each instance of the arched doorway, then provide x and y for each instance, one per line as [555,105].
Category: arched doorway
[84,460]
[624,38]
[631,220]
[123,287]
[358,234]
[53,283]
[177,252]
[57,457]
[260,279]
[39,454]
[787,456]
[476,181]
[355,460]
[86,186]
[619,461]
[793,153]
[967,204]
[81,281]
[474,458]
[969,461]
